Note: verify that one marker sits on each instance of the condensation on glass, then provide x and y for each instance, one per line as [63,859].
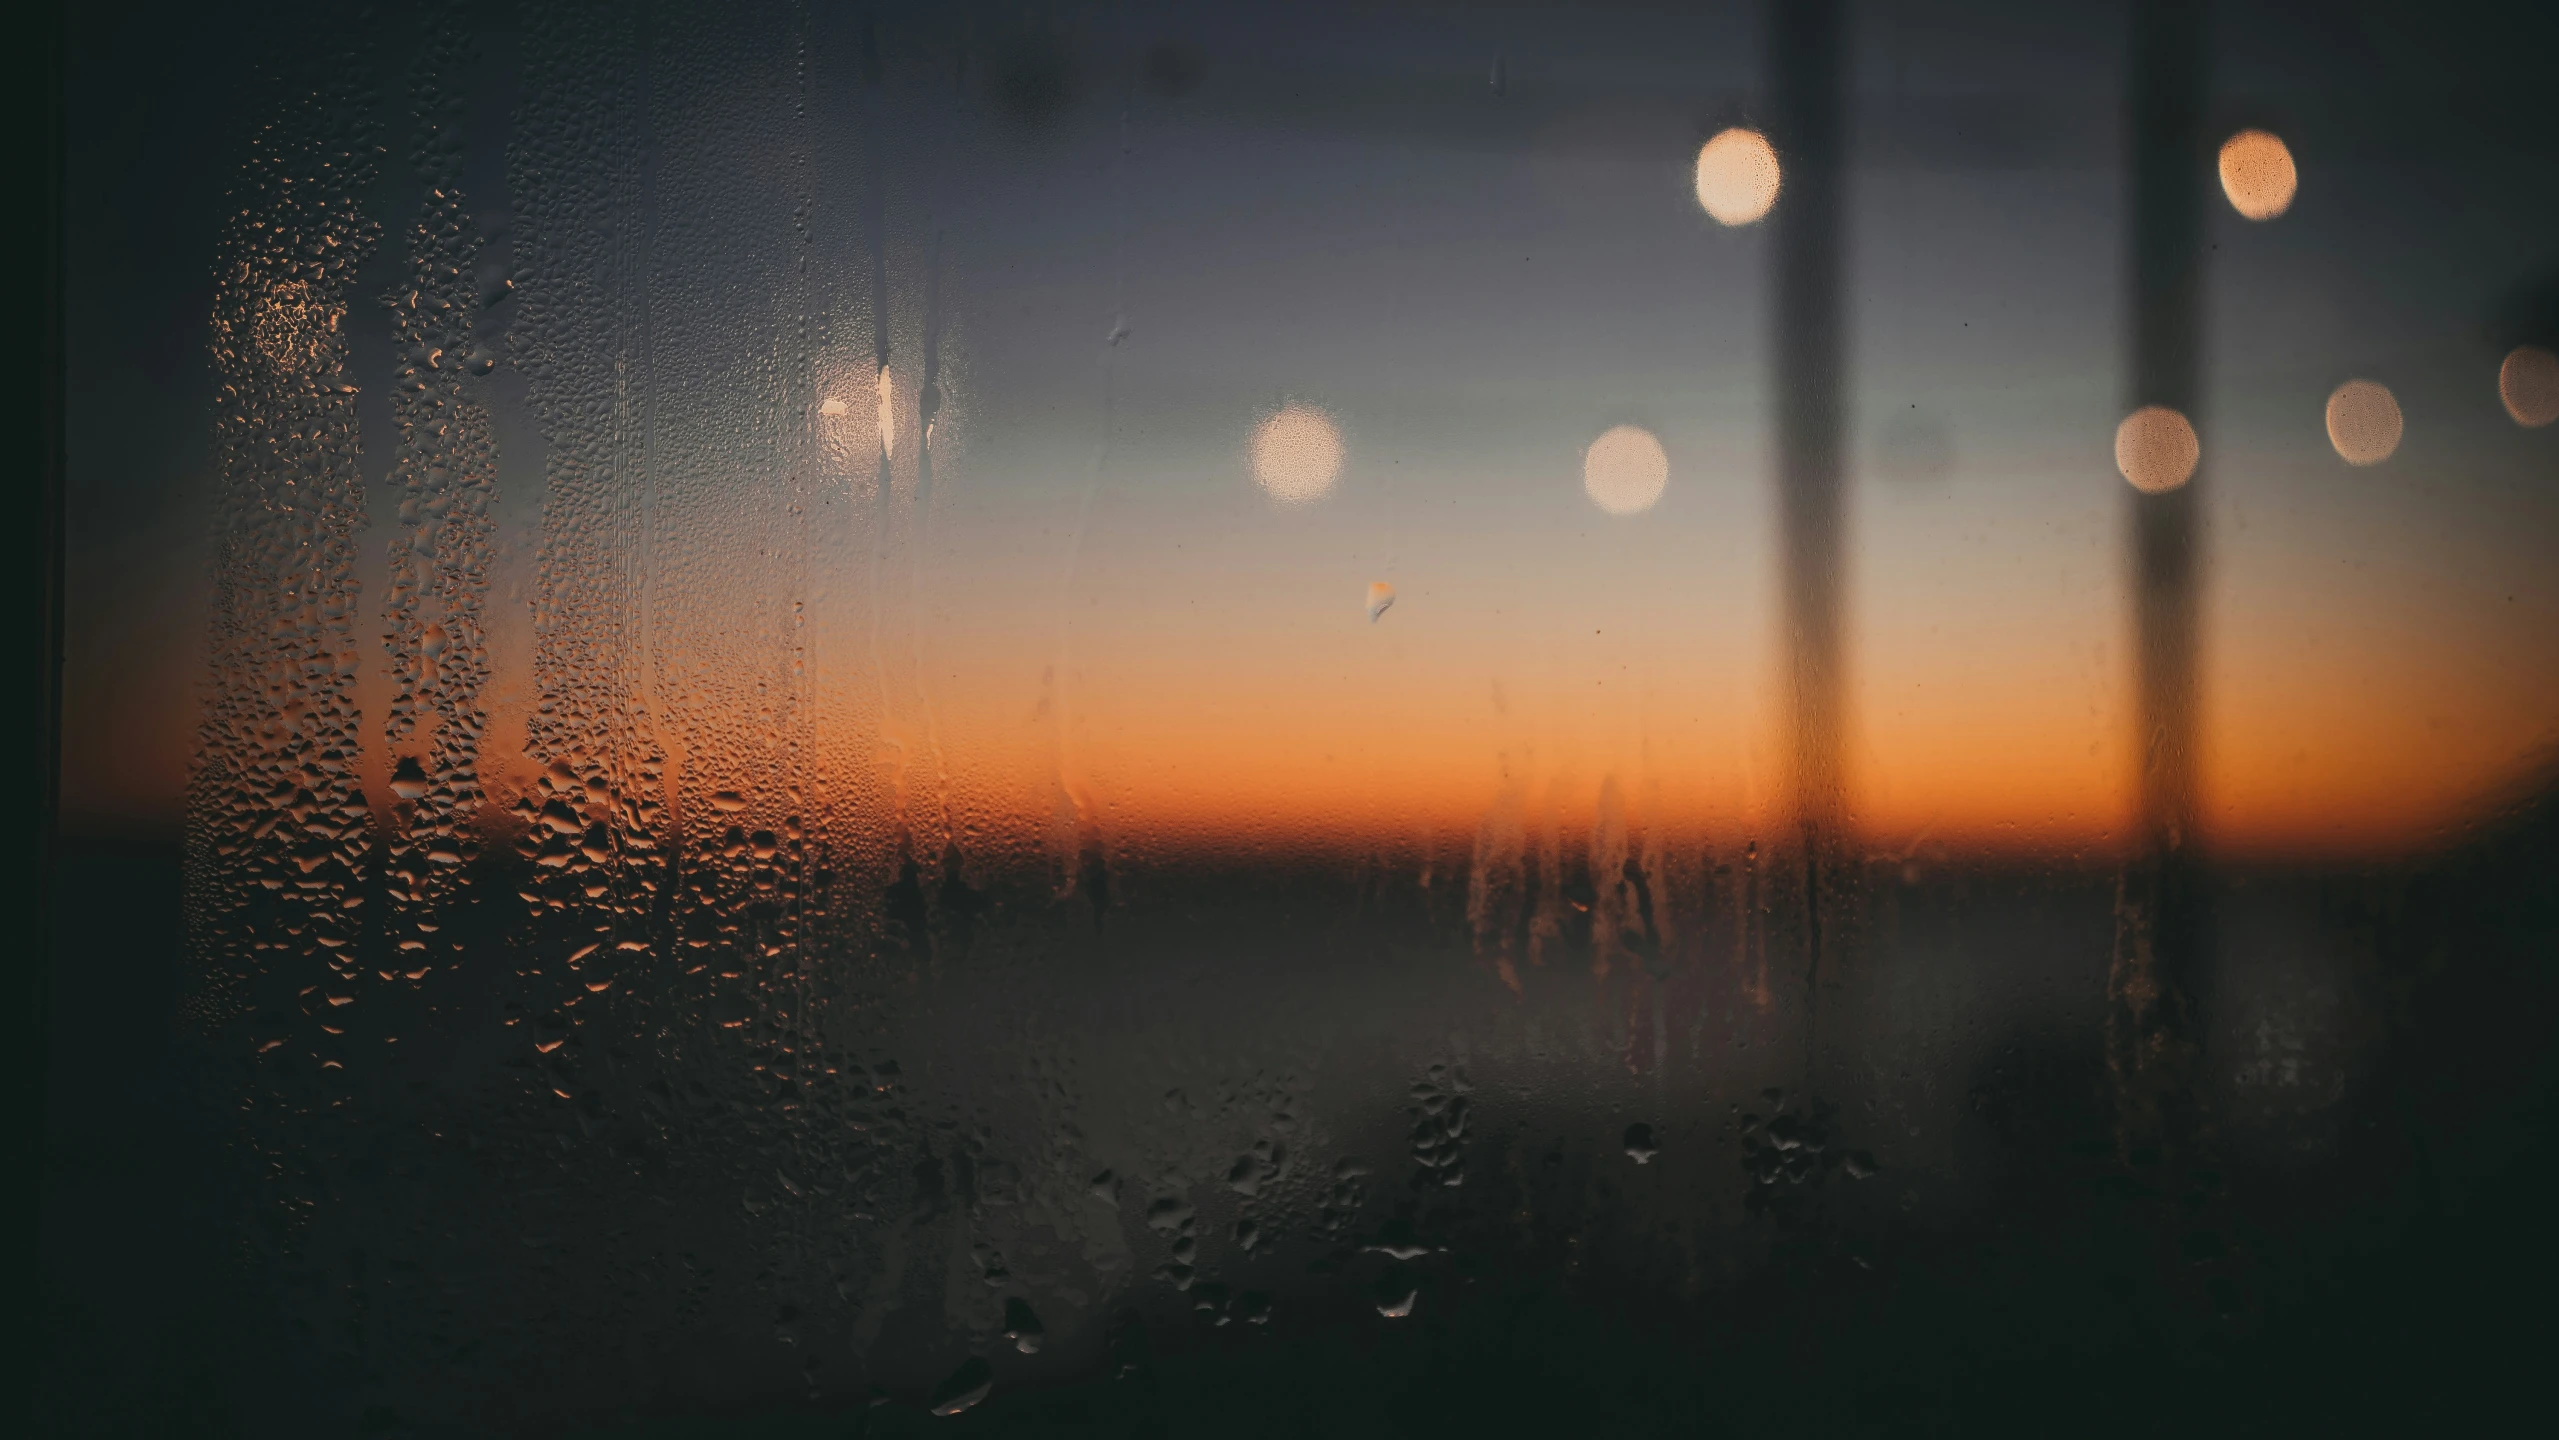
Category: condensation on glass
[1159,720]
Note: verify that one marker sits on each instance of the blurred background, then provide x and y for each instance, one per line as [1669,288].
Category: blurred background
[1166,719]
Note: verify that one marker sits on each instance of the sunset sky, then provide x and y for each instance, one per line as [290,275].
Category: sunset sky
[1473,289]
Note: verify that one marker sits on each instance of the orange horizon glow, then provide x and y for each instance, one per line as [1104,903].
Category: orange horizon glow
[1237,772]
[1238,696]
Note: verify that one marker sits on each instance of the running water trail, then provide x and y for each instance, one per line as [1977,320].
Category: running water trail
[928,407]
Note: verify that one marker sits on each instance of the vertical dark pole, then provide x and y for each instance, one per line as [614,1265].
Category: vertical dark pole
[1806,46]
[2169,165]
[42,756]
[2151,1034]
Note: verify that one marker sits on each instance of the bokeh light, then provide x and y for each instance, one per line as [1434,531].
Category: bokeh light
[1297,454]
[2156,449]
[1624,471]
[1737,176]
[2257,174]
[2529,384]
[2363,422]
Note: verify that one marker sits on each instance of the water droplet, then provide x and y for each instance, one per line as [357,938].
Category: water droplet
[1129,1347]
[967,1386]
[409,780]
[1396,1292]
[1211,1300]
[1380,596]
[1021,1326]
[1639,1144]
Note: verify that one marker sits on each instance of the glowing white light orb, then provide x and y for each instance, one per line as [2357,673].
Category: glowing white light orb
[1624,471]
[1737,176]
[1297,454]
[2156,449]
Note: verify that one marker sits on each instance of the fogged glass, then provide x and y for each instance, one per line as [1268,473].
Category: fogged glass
[1305,720]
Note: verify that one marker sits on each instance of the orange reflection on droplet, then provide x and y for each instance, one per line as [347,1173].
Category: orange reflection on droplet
[2363,422]
[2257,174]
[2156,449]
[293,328]
[2529,384]
[1624,471]
[1297,454]
[1737,176]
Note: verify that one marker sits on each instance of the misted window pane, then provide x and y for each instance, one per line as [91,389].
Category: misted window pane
[1305,719]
